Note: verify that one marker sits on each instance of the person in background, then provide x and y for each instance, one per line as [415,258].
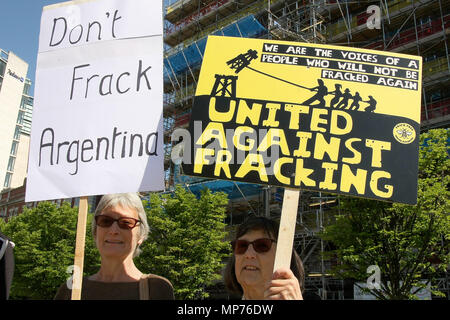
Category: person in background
[6,265]
[249,272]
[119,228]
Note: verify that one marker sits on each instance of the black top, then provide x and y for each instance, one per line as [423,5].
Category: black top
[159,289]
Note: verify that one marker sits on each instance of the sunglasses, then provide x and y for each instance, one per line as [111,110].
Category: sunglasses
[259,245]
[105,221]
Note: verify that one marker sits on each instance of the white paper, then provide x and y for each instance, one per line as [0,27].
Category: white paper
[78,23]
[93,99]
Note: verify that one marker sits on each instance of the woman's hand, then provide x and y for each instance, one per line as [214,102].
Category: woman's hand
[283,286]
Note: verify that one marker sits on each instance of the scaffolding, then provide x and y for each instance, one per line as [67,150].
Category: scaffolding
[419,27]
[298,22]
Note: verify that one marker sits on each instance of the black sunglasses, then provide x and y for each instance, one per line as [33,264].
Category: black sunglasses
[259,245]
[105,221]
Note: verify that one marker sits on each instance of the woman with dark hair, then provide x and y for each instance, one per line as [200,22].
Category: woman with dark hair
[249,272]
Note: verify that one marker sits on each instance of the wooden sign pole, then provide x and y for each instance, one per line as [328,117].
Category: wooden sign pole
[286,232]
[79,249]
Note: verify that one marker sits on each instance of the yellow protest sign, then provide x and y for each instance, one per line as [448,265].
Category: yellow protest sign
[299,115]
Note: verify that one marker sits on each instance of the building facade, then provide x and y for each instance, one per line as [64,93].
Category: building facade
[16,105]
[12,202]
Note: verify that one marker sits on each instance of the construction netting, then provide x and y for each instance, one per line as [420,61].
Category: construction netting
[191,56]
[233,189]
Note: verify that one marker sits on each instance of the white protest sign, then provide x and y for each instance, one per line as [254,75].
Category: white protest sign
[98,113]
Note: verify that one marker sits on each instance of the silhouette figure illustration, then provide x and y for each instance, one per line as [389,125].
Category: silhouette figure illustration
[322,91]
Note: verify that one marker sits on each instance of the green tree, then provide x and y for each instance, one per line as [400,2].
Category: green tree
[45,246]
[186,241]
[408,243]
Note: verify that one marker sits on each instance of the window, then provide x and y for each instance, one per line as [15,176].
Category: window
[7,180]
[2,67]
[17,133]
[20,117]
[4,55]
[14,146]
[11,163]
[27,103]
[26,87]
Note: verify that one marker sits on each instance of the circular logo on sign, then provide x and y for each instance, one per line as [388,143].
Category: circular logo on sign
[404,133]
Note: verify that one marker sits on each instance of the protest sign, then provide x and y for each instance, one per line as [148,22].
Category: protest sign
[318,117]
[97,122]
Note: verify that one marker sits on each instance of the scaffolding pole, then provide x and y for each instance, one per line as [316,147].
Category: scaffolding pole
[401,27]
[445,36]
[190,70]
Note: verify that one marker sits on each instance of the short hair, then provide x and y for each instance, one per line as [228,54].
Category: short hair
[125,200]
[270,227]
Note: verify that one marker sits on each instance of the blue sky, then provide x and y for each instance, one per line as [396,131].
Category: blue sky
[19,29]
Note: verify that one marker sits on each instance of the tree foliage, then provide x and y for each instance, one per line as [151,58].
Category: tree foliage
[186,241]
[408,243]
[185,244]
[44,239]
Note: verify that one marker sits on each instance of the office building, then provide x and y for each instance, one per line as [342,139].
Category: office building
[16,105]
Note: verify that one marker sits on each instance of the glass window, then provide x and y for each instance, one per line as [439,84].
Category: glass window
[4,55]
[14,146]
[11,162]
[1,81]
[27,103]
[26,87]
[2,67]
[7,180]
[20,117]
[17,133]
